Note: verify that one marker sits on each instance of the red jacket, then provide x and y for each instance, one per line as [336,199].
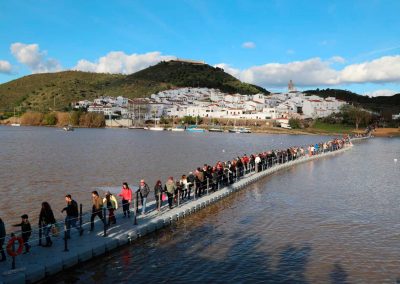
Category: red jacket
[126,194]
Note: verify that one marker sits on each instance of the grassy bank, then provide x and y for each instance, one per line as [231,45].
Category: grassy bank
[324,127]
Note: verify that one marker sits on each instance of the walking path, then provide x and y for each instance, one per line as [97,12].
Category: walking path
[42,262]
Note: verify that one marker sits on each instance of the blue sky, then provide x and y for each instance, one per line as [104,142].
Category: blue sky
[353,45]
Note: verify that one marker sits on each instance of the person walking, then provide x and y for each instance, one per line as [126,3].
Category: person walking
[2,239]
[158,191]
[111,203]
[126,194]
[184,186]
[257,162]
[144,191]
[97,209]
[26,231]
[72,216]
[170,189]
[46,221]
[190,180]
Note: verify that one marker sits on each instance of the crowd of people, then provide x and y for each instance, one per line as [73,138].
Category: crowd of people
[193,185]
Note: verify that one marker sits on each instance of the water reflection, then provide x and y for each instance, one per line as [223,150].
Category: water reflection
[321,222]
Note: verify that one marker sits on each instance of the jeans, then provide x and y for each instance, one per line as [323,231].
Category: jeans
[144,201]
[158,198]
[98,213]
[3,255]
[70,221]
[46,232]
[25,238]
[170,198]
[111,216]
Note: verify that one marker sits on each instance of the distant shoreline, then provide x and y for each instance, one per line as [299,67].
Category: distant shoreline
[379,132]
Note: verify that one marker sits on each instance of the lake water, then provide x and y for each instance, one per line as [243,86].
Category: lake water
[333,220]
[43,164]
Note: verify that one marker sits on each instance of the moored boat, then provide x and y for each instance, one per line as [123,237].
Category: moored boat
[68,128]
[176,129]
[156,128]
[215,129]
[240,130]
[136,127]
[194,128]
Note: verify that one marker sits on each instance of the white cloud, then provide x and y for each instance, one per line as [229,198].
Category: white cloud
[248,44]
[381,70]
[317,72]
[380,93]
[33,58]
[120,62]
[5,67]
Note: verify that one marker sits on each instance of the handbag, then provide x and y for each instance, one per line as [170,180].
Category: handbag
[55,231]
[164,197]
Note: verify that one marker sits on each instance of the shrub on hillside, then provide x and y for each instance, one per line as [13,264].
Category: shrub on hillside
[49,119]
[92,120]
[32,118]
[62,118]
[75,116]
[295,123]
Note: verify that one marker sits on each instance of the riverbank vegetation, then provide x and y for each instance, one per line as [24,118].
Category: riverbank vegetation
[59,119]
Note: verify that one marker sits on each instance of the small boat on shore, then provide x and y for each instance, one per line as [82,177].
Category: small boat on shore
[15,124]
[156,128]
[178,129]
[68,128]
[136,127]
[194,128]
[240,130]
[214,129]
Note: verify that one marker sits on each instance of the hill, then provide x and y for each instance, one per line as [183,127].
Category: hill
[378,104]
[42,92]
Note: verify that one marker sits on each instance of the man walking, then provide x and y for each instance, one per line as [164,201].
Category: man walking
[97,209]
[72,215]
[144,191]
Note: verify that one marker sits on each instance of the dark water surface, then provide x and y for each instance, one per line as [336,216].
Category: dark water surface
[334,220]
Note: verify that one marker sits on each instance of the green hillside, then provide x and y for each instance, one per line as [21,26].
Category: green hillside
[379,104]
[182,74]
[42,92]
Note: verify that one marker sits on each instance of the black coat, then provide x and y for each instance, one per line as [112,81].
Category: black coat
[46,217]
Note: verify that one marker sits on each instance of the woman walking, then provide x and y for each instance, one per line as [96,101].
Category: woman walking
[111,204]
[126,194]
[158,191]
[184,186]
[46,221]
